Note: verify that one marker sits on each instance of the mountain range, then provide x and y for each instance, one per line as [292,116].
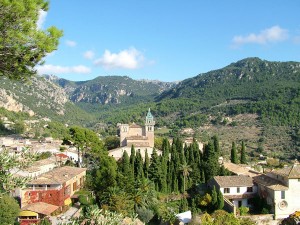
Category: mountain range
[252,92]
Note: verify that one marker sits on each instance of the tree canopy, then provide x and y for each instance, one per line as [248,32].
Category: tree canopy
[9,210]
[23,44]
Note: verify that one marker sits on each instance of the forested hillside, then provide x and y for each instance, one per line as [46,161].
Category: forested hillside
[271,89]
[120,90]
[252,100]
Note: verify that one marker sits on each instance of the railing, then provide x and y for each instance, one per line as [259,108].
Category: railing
[229,206]
[43,188]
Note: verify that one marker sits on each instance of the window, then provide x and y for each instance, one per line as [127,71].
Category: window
[238,190]
[282,194]
[249,189]
[74,186]
[226,190]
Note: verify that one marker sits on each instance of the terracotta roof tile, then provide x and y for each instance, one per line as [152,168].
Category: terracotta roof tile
[234,181]
[270,183]
[58,175]
[239,169]
[292,172]
[41,208]
[135,126]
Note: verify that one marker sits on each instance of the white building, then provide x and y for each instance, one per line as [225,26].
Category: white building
[237,189]
[37,168]
[281,189]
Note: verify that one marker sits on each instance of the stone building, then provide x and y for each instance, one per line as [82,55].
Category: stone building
[281,189]
[139,136]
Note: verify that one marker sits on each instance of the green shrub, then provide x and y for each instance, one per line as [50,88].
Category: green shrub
[243,210]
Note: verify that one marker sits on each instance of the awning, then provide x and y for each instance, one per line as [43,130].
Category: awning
[68,201]
[28,213]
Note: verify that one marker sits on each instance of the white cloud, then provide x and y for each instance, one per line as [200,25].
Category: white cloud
[71,43]
[52,69]
[273,34]
[126,59]
[89,54]
[41,19]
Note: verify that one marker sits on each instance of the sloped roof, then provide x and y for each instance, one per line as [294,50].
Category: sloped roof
[240,169]
[137,138]
[292,172]
[134,125]
[58,175]
[234,181]
[41,208]
[270,183]
[61,155]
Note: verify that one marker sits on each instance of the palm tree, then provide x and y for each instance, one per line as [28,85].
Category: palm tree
[185,169]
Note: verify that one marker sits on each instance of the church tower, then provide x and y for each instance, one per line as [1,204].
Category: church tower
[124,130]
[149,128]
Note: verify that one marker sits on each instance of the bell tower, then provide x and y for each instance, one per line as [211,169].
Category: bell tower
[149,128]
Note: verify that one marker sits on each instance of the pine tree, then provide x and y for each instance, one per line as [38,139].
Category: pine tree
[233,155]
[243,154]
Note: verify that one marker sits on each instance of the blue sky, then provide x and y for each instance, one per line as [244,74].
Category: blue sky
[168,40]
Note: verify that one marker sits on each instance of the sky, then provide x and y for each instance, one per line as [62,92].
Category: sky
[167,40]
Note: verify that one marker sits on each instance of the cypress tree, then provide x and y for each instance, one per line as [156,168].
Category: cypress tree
[125,177]
[220,200]
[233,154]
[138,166]
[210,161]
[146,164]
[132,156]
[165,147]
[214,198]
[125,167]
[163,174]
[243,154]
[154,168]
[132,159]
[216,145]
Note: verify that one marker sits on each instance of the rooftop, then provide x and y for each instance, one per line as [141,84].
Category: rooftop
[240,169]
[58,175]
[234,181]
[134,125]
[41,208]
[292,172]
[137,138]
[270,183]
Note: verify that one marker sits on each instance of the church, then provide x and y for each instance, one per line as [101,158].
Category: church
[136,135]
[141,137]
